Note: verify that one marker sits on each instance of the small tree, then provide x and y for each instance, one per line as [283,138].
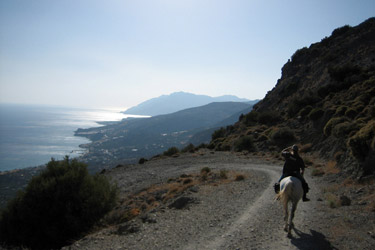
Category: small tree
[218,134]
[59,205]
[171,151]
[244,143]
[283,136]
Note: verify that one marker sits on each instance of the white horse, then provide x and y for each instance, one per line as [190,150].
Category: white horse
[290,191]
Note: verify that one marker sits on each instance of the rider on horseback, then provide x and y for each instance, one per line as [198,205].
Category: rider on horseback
[294,166]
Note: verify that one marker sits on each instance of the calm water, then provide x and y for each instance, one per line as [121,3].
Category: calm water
[31,135]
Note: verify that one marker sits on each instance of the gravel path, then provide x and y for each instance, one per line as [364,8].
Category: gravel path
[235,215]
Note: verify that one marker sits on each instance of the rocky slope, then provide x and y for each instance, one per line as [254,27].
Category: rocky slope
[325,101]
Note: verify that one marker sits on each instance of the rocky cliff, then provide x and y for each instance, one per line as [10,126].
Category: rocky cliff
[324,100]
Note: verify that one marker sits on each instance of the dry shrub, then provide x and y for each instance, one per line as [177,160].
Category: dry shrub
[306,148]
[338,155]
[332,188]
[331,167]
[205,170]
[361,143]
[348,182]
[223,174]
[317,172]
[308,161]
[187,181]
[333,200]
[239,177]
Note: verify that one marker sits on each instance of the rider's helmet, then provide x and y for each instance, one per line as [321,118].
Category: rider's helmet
[295,148]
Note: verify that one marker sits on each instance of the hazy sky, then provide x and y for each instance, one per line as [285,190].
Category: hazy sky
[113,53]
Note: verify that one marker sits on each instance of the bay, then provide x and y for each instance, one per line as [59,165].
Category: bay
[30,135]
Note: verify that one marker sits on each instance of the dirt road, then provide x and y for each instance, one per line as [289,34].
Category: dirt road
[236,215]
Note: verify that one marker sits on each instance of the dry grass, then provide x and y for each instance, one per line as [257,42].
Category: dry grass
[317,172]
[331,168]
[306,148]
[333,200]
[340,228]
[308,161]
[332,188]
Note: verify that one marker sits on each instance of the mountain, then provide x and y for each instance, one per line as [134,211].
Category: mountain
[324,101]
[174,102]
[131,139]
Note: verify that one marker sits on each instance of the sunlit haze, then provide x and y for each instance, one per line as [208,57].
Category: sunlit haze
[91,53]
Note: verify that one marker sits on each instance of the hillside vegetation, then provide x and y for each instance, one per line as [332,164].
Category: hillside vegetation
[57,206]
[324,101]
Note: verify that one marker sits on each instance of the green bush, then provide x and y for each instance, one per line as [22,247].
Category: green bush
[340,73]
[202,145]
[332,123]
[205,170]
[305,111]
[57,206]
[142,160]
[315,114]
[361,143]
[351,113]
[223,174]
[218,134]
[251,118]
[223,146]
[297,104]
[340,111]
[171,151]
[189,148]
[268,117]
[344,129]
[283,136]
[244,143]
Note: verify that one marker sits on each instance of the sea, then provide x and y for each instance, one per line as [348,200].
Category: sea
[30,135]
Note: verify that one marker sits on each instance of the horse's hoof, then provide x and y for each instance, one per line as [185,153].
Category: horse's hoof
[285,229]
[289,235]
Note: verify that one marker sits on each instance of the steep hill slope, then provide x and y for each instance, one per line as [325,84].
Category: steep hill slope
[174,102]
[324,101]
[129,140]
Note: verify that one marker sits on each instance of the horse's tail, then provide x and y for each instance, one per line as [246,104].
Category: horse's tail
[283,195]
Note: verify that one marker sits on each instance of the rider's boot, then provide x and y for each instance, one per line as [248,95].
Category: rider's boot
[304,198]
[277,187]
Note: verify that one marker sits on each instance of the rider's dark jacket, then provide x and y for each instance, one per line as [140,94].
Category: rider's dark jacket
[293,163]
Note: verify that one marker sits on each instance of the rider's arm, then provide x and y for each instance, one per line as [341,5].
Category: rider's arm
[286,152]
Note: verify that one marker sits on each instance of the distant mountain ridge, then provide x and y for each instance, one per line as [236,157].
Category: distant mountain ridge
[167,104]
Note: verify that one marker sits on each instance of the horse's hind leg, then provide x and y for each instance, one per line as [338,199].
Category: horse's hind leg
[286,215]
[291,225]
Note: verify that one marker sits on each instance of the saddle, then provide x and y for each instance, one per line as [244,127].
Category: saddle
[305,187]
